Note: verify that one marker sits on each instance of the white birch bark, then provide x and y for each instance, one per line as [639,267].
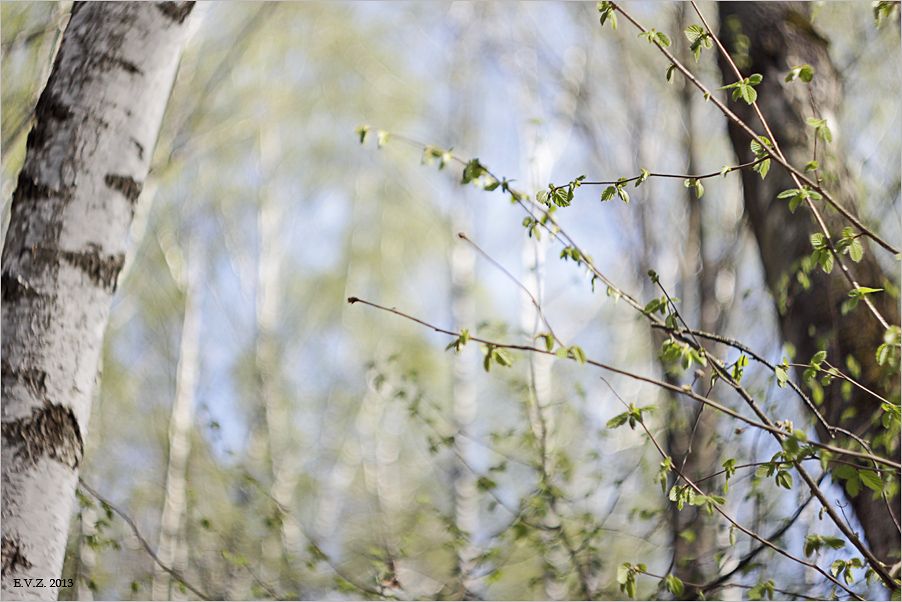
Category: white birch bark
[540,151]
[181,423]
[96,125]
[472,28]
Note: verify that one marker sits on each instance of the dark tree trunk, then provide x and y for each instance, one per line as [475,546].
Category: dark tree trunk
[771,38]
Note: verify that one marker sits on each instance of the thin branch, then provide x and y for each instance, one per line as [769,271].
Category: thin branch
[535,303]
[137,533]
[664,385]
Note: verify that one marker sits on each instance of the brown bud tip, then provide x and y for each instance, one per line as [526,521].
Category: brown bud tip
[353,300]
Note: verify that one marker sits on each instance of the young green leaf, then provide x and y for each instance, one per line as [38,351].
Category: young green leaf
[668,75]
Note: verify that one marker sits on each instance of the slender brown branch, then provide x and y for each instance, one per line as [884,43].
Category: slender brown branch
[535,303]
[137,533]
[664,385]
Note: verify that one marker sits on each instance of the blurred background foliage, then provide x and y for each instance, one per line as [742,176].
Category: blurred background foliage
[323,445]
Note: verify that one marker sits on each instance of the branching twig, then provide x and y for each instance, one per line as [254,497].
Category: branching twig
[137,533]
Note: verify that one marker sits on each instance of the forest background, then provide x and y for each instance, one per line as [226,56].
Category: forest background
[269,440]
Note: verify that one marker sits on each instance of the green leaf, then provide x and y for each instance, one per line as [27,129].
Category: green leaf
[784,479]
[643,175]
[811,166]
[871,480]
[668,75]
[623,572]
[782,374]
[674,585]
[607,13]
[618,420]
[662,39]
[609,193]
[578,354]
[459,342]
[549,340]
[362,131]
[472,171]
[818,358]
[803,72]
[694,32]
[725,170]
[755,79]
[764,471]
[623,194]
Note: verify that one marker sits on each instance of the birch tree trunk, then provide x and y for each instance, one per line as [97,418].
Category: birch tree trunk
[96,125]
[181,424]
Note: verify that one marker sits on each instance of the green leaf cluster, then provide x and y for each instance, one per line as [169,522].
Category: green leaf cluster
[618,189]
[497,355]
[821,255]
[845,567]
[798,196]
[458,343]
[607,14]
[561,196]
[430,153]
[745,89]
[890,350]
[855,477]
[850,244]
[472,171]
[685,494]
[739,367]
[633,416]
[573,352]
[856,295]
[673,585]
[814,366]
[696,185]
[699,39]
[802,72]
[655,37]
[765,588]
[883,11]
[672,351]
[814,543]
[775,468]
[762,155]
[820,129]
[626,577]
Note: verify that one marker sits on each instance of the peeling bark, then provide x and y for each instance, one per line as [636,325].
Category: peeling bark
[103,104]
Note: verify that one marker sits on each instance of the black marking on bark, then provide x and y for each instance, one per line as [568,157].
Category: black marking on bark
[34,380]
[177,11]
[14,558]
[28,189]
[50,106]
[14,288]
[124,184]
[48,110]
[140,149]
[110,61]
[50,432]
[103,270]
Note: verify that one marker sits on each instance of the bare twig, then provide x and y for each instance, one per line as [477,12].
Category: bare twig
[137,533]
